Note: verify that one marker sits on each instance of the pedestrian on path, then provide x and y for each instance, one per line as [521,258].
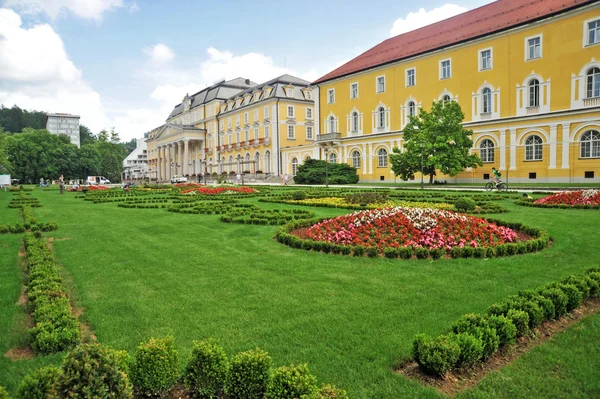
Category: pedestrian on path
[61,182]
[285,179]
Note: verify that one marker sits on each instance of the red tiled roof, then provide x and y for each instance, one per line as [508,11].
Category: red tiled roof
[493,17]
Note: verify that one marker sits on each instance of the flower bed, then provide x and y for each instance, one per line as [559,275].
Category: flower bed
[586,199]
[218,191]
[407,232]
[334,202]
[188,185]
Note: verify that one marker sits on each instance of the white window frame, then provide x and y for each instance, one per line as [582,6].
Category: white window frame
[591,145]
[489,152]
[491,66]
[382,162]
[355,160]
[290,114]
[266,112]
[308,95]
[531,150]
[266,132]
[255,115]
[352,85]
[354,125]
[586,32]
[311,135]
[527,39]
[441,64]
[256,134]
[377,84]
[414,76]
[309,113]
[291,132]
[331,96]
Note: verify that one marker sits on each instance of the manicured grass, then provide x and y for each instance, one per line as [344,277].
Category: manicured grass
[148,272]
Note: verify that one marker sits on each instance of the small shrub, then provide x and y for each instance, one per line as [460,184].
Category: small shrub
[358,250]
[249,375]
[292,382]
[206,372]
[559,300]
[436,253]
[581,283]
[331,392]
[372,252]
[391,253]
[436,355]
[405,252]
[92,371]
[38,384]
[471,349]
[3,393]
[299,195]
[465,204]
[422,253]
[520,320]
[505,329]
[156,366]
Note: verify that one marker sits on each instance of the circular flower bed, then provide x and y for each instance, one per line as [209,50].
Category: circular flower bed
[576,199]
[422,232]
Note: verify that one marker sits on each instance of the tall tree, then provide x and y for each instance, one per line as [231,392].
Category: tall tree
[439,140]
[5,166]
[85,135]
[16,119]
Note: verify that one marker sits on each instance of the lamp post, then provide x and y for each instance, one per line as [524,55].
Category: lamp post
[422,147]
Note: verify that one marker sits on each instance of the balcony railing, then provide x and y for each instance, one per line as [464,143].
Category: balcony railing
[329,137]
[591,102]
[533,110]
[484,116]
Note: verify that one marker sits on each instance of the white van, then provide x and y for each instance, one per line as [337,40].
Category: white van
[93,180]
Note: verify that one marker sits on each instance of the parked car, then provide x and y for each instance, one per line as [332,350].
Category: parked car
[91,180]
[178,179]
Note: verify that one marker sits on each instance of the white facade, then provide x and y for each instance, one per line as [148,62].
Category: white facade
[135,166]
[64,124]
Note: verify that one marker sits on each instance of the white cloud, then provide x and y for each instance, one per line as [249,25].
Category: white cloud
[415,20]
[160,53]
[87,9]
[54,84]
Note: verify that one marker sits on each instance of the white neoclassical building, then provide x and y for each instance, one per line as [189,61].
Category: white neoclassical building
[135,166]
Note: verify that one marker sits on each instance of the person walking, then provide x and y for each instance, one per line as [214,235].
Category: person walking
[285,179]
[61,182]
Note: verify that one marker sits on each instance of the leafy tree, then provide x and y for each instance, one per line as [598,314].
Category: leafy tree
[90,161]
[103,135]
[312,171]
[16,119]
[5,166]
[446,143]
[85,135]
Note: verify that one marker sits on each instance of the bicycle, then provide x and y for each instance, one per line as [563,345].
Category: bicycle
[499,186]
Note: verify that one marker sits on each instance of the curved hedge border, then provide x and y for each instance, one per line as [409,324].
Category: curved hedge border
[474,338]
[556,206]
[540,241]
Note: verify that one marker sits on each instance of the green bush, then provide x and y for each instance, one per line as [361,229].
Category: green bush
[391,253]
[372,252]
[520,320]
[292,382]
[505,329]
[436,355]
[38,384]
[92,371]
[465,204]
[581,283]
[331,392]
[559,300]
[3,393]
[358,250]
[593,280]
[366,198]
[574,297]
[405,252]
[544,303]
[299,195]
[312,171]
[156,366]
[206,372]
[478,326]
[471,349]
[249,375]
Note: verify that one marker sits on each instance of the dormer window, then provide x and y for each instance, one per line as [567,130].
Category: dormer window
[308,95]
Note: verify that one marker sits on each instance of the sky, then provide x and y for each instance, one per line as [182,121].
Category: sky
[127,63]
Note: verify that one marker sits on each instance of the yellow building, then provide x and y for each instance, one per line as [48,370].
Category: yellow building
[233,127]
[525,73]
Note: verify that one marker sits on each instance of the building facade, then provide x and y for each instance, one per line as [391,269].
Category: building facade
[135,165]
[525,73]
[234,127]
[64,124]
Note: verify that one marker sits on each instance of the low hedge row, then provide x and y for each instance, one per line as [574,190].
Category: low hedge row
[267,217]
[474,338]
[540,241]
[56,328]
[96,371]
[557,206]
[141,206]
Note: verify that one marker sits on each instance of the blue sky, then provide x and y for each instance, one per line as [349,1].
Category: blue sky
[125,63]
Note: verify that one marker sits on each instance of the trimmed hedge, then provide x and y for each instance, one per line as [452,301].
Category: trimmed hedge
[155,369]
[249,375]
[38,385]
[556,206]
[476,337]
[207,370]
[289,382]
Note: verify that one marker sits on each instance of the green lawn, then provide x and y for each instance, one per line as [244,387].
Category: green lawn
[148,272]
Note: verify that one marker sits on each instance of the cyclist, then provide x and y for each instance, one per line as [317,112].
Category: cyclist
[496,178]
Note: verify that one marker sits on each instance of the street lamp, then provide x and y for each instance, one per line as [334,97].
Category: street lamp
[422,147]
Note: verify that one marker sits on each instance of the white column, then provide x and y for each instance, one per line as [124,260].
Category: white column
[552,164]
[502,150]
[364,154]
[566,133]
[171,163]
[513,149]
[186,157]
[158,164]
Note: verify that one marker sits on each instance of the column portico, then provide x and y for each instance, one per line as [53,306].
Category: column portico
[185,169]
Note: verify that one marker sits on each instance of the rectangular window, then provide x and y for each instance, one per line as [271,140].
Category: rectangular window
[534,48]
[330,96]
[309,133]
[410,77]
[266,132]
[229,123]
[237,120]
[266,112]
[308,95]
[290,111]
[485,59]
[445,69]
[256,134]
[255,115]
[354,90]
[588,174]
[308,113]
[291,132]
[246,135]
[380,85]
[246,117]
[533,175]
[593,32]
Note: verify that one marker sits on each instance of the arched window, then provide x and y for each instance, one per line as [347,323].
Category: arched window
[486,95]
[380,117]
[590,144]
[239,164]
[412,108]
[382,158]
[356,159]
[294,166]
[534,93]
[256,162]
[486,151]
[333,158]
[267,161]
[446,98]
[593,83]
[354,121]
[533,148]
[331,124]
